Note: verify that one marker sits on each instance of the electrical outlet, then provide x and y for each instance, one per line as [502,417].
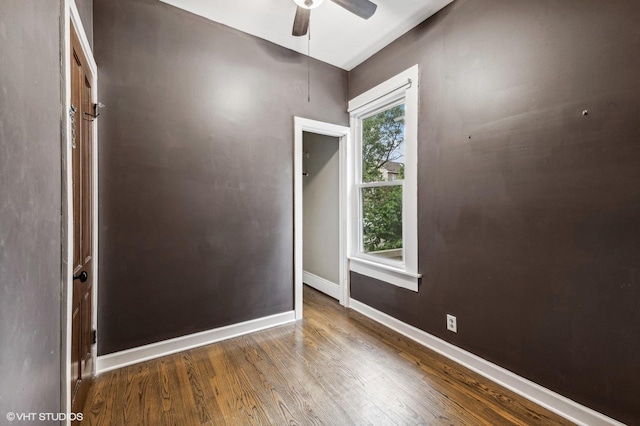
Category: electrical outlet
[452,324]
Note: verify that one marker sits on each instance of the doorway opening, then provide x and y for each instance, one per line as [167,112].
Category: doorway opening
[314,132]
[321,213]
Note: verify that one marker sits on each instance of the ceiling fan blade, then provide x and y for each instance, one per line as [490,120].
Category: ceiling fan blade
[363,8]
[301,21]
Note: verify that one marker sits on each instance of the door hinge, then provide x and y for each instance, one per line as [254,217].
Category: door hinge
[94,337]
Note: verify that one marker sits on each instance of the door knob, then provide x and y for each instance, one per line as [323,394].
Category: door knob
[82,276]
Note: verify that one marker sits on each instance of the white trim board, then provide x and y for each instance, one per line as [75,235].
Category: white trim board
[167,347]
[327,287]
[544,397]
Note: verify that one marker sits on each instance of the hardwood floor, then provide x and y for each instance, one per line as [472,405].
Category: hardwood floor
[336,367]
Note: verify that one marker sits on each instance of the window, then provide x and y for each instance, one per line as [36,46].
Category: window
[384,192]
[381,155]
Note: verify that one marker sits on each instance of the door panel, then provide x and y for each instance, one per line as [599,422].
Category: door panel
[82,170]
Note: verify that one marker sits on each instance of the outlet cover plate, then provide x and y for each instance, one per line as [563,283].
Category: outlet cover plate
[452,324]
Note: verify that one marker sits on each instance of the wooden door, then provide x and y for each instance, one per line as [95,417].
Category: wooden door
[82,110]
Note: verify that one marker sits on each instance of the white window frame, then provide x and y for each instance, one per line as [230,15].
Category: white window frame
[403,86]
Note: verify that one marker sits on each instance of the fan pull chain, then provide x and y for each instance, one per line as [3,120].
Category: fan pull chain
[308,63]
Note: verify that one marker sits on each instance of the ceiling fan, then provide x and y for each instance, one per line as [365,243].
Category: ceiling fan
[363,8]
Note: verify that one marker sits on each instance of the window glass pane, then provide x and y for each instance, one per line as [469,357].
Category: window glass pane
[382,221]
[383,145]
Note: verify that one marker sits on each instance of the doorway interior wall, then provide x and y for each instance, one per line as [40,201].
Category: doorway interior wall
[70,16]
[302,125]
[320,213]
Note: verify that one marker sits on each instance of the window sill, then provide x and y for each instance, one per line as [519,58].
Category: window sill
[389,274]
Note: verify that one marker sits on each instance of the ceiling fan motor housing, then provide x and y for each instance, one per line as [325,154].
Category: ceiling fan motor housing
[308,4]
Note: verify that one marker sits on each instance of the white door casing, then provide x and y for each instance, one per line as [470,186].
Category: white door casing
[343,134]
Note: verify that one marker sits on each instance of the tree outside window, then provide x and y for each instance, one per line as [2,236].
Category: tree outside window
[381,189]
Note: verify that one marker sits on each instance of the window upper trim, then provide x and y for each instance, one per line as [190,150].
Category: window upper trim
[388,91]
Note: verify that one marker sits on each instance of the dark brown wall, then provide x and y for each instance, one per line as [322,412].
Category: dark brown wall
[30,185]
[196,195]
[529,212]
[85,9]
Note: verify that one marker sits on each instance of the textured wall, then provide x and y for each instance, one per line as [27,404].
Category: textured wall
[321,207]
[30,179]
[196,194]
[529,212]
[85,9]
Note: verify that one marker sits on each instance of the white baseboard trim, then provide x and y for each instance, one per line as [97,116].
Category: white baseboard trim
[544,397]
[167,347]
[320,284]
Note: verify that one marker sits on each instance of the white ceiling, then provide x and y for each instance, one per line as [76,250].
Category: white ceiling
[337,36]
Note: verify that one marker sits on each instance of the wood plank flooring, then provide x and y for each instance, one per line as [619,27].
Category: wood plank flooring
[336,367]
